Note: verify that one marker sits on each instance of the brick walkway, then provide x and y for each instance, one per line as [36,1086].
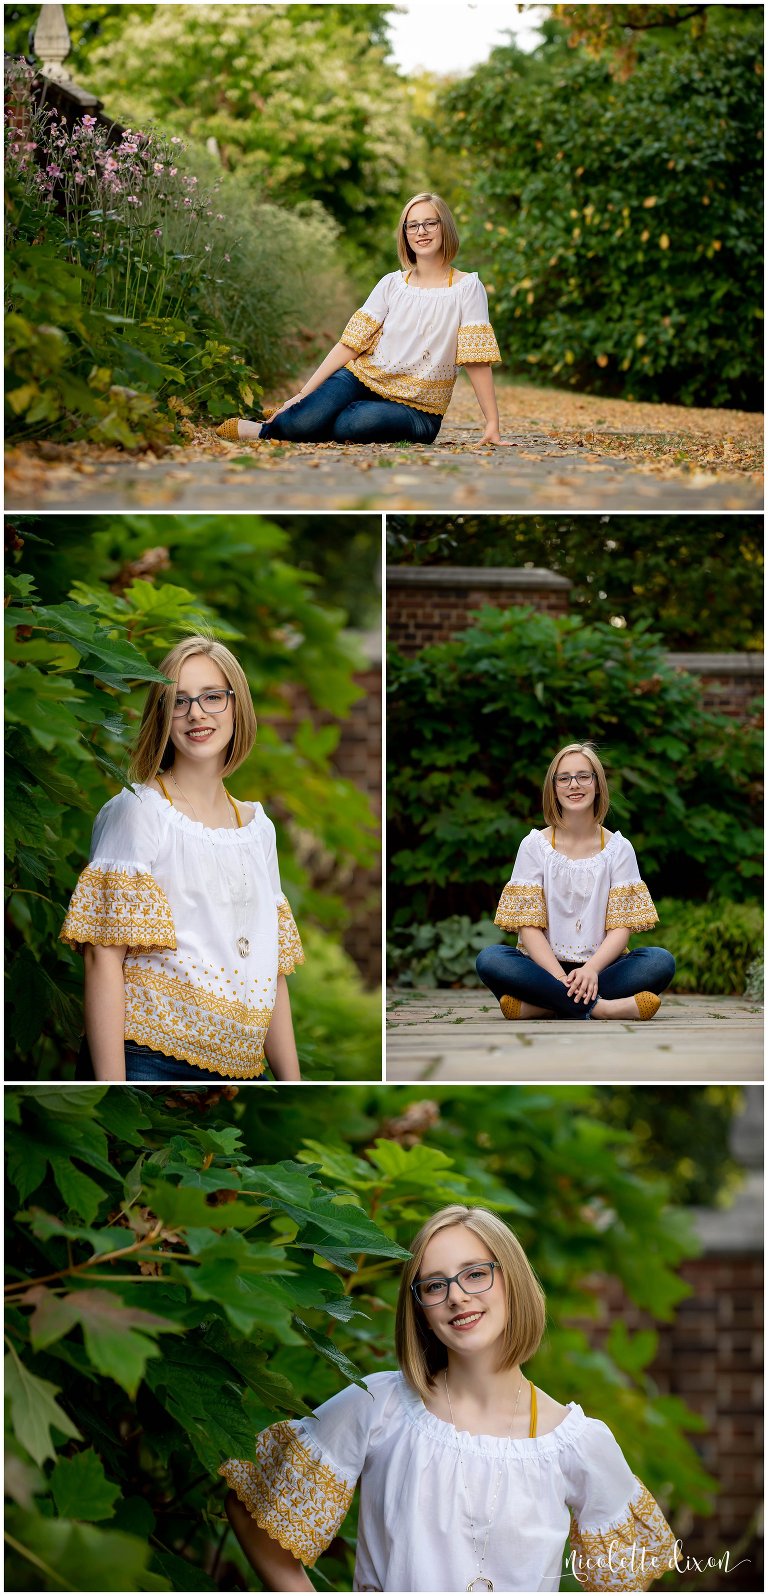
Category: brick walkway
[438,1035]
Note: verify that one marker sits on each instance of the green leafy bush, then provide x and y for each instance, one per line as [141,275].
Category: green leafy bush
[715,945]
[615,223]
[185,1268]
[80,650]
[473,723]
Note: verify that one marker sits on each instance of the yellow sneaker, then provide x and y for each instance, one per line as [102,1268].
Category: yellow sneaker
[648,1004]
[510,1007]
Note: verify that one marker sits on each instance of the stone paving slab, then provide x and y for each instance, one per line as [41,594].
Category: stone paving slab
[438,1035]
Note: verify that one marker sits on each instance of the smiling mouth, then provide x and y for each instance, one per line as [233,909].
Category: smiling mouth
[200,733]
[464,1321]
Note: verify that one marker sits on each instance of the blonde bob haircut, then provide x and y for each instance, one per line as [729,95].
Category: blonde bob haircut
[420,1354]
[154,749]
[449,230]
[550,802]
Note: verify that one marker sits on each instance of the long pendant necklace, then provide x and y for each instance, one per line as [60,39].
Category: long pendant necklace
[242,944]
[481,1580]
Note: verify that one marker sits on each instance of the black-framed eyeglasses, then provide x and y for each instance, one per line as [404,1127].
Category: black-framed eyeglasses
[583,778]
[213,702]
[428,226]
[429,1293]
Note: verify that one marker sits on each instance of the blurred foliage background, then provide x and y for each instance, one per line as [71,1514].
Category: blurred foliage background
[187,1267]
[616,222]
[90,610]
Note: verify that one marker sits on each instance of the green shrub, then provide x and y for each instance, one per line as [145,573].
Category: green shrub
[337,1021]
[615,222]
[716,946]
[473,723]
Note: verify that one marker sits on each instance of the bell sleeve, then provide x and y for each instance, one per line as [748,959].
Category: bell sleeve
[522,902]
[300,1484]
[629,902]
[361,329]
[289,949]
[476,344]
[117,901]
[620,1539]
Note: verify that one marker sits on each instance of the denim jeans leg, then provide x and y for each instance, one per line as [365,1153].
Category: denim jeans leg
[311,419]
[642,970]
[507,970]
[375,420]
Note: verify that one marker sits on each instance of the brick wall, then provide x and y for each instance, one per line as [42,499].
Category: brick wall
[430,604]
[711,1357]
[358,759]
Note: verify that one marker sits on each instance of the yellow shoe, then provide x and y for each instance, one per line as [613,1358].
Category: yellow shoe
[229,430]
[648,1004]
[510,1007]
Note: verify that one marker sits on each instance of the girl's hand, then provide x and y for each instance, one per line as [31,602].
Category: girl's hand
[286,405]
[582,983]
[491,435]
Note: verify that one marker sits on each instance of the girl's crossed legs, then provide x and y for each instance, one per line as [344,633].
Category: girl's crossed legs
[507,971]
[343,410]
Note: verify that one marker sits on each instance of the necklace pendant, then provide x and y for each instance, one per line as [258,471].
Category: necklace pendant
[578,925]
[243,947]
[480,1583]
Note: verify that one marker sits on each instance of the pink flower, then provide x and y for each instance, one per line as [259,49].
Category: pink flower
[132,200]
[89,121]
[187,201]
[219,216]
[157,232]
[158,168]
[176,141]
[53,171]
[173,170]
[227,257]
[79,177]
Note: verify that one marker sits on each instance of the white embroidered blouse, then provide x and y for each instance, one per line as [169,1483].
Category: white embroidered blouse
[181,895]
[413,1528]
[575,900]
[411,341]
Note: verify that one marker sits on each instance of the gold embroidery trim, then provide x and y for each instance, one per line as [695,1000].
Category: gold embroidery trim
[432,394]
[628,1556]
[113,907]
[477,345]
[359,331]
[632,907]
[298,1500]
[521,905]
[289,949]
[194,1024]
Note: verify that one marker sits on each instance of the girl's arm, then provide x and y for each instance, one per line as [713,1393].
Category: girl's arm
[582,983]
[536,944]
[276,1568]
[283,1060]
[481,378]
[339,356]
[105,1010]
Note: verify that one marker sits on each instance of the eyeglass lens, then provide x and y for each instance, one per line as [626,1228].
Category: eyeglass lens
[429,227]
[212,703]
[479,1277]
[582,779]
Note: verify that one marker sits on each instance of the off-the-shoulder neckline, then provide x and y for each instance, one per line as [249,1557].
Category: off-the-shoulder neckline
[443,288]
[443,1432]
[196,827]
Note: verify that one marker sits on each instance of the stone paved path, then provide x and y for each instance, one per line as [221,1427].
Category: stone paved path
[569,453]
[438,1035]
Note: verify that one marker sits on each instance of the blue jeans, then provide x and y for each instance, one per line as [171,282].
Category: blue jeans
[343,410]
[144,1064]
[507,970]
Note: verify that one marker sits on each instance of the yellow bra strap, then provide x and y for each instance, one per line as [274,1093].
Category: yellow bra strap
[532,1430]
[234,806]
[450,278]
[602,839]
[161,783]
